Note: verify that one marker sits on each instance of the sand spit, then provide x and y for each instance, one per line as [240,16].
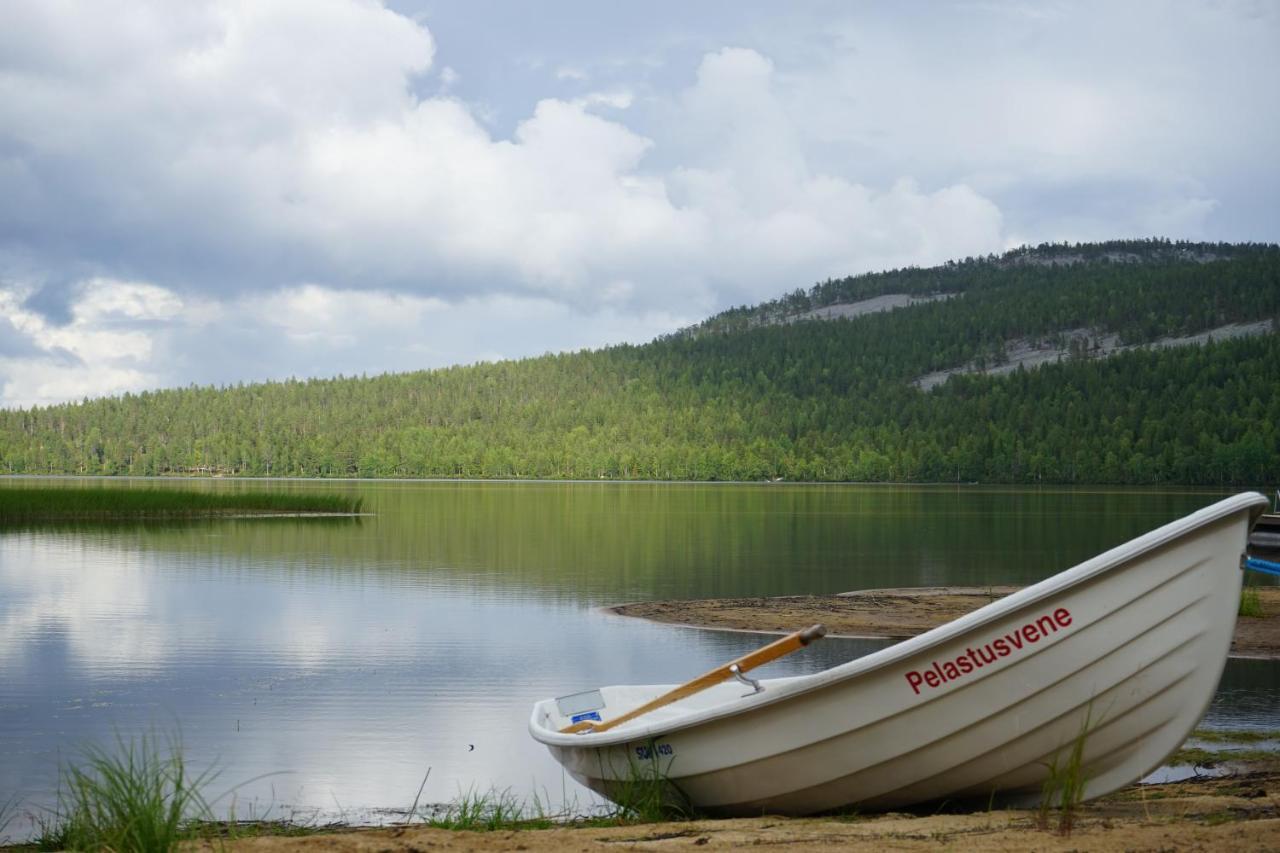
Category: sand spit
[897,614]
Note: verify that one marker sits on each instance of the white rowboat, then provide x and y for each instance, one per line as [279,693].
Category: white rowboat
[1122,652]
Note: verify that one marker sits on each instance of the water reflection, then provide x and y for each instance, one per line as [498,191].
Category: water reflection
[592,542]
[1248,696]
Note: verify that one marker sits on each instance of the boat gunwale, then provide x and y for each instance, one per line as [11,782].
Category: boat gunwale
[798,685]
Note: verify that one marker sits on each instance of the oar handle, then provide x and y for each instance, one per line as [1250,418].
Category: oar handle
[751,660]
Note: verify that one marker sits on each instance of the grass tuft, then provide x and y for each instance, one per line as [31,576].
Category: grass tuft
[138,798]
[8,810]
[491,810]
[51,834]
[648,795]
[1250,602]
[1064,787]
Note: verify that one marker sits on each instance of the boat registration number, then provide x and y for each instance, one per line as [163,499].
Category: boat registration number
[647,752]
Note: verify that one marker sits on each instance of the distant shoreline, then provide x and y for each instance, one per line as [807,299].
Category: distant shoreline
[1075,488]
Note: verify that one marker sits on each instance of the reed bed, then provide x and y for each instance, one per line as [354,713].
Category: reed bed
[36,503]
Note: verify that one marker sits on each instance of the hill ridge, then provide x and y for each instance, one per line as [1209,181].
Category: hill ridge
[853,289]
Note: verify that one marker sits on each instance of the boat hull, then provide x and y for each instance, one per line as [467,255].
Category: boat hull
[1123,653]
[1266,533]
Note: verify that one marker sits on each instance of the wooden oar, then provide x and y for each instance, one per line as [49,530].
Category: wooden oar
[759,657]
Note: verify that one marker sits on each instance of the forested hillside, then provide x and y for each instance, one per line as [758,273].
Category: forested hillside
[748,396]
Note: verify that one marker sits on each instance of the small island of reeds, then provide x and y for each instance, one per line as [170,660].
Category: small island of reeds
[45,503]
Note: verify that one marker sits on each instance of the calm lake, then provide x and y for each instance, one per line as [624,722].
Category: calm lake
[322,666]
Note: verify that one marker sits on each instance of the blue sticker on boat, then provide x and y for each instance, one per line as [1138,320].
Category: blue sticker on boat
[589,715]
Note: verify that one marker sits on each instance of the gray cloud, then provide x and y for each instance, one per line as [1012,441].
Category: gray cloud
[14,343]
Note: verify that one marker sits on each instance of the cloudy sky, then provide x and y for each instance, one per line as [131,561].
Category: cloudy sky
[240,190]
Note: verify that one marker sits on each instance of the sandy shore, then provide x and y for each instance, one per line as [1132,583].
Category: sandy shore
[1241,812]
[897,614]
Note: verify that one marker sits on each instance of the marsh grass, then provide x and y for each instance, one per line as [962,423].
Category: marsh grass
[1250,602]
[493,810]
[29,503]
[1065,785]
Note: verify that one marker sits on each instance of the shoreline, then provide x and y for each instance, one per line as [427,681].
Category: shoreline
[1234,805]
[978,485]
[1237,811]
[895,614]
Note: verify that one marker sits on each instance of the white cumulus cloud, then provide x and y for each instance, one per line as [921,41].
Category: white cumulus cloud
[181,177]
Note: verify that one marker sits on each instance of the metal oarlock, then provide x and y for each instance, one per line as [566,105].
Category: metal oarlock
[750,682]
